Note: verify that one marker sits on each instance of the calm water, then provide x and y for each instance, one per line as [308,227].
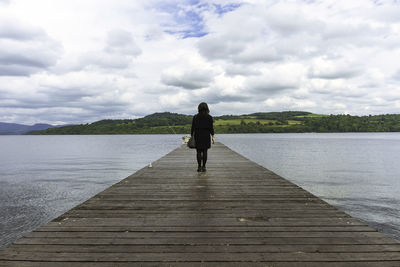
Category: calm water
[357,172]
[41,177]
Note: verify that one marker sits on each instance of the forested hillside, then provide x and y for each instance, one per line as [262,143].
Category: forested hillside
[270,122]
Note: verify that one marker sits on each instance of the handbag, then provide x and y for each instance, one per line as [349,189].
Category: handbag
[191,143]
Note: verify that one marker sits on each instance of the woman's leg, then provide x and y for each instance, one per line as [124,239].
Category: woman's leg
[204,157]
[199,156]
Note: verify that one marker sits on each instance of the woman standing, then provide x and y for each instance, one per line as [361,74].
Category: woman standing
[202,126]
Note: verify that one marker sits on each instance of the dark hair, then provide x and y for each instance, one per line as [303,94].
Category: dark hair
[203,108]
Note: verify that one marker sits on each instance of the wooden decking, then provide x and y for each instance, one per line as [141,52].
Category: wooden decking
[237,213]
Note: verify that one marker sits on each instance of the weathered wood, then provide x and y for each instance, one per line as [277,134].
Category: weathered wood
[228,235]
[206,241]
[217,213]
[205,248]
[200,220]
[236,214]
[252,263]
[209,256]
[194,229]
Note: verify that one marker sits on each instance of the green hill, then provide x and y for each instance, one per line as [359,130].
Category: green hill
[261,122]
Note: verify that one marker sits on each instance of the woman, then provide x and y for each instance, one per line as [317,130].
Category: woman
[202,126]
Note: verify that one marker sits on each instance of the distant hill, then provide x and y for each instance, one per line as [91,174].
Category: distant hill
[260,122]
[159,123]
[15,129]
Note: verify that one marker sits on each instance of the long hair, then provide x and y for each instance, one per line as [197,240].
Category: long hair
[203,108]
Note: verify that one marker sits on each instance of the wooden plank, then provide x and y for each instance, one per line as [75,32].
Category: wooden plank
[209,256]
[206,248]
[207,241]
[237,213]
[163,214]
[260,229]
[206,221]
[151,235]
[197,264]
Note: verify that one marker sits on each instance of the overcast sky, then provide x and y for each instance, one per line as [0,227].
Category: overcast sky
[78,61]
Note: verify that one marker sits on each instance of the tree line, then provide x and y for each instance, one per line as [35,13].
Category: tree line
[278,122]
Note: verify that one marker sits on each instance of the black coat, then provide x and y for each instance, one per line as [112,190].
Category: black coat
[202,126]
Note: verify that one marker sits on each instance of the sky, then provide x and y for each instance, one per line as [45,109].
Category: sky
[79,61]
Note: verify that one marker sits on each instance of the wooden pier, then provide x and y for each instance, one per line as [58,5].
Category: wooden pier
[237,213]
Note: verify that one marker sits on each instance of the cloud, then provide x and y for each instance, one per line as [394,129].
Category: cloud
[276,79]
[71,61]
[16,70]
[219,96]
[233,70]
[262,52]
[94,95]
[268,86]
[122,42]
[289,103]
[333,69]
[176,100]
[253,34]
[118,53]
[25,49]
[396,75]
[219,47]
[191,79]
[104,60]
[186,19]
[289,31]
[16,30]
[237,52]
[286,19]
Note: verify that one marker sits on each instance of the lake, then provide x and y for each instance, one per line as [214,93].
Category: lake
[357,172]
[41,177]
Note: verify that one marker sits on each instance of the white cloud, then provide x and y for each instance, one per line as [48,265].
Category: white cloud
[284,103]
[396,75]
[122,42]
[192,79]
[275,79]
[233,70]
[175,100]
[25,49]
[333,69]
[118,53]
[79,61]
